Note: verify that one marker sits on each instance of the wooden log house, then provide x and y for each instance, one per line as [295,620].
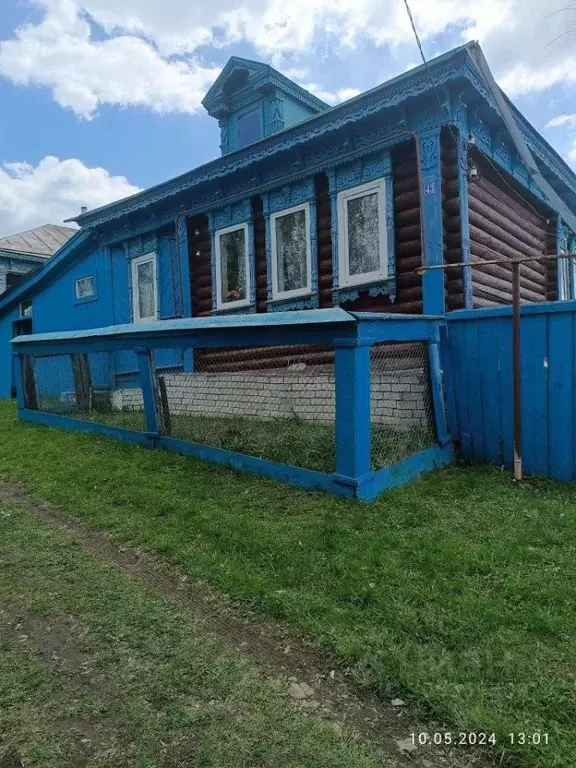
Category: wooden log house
[312,206]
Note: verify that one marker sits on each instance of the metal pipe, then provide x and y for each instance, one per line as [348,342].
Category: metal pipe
[516,338]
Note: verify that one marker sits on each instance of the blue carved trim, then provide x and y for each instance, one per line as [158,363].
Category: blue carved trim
[362,170]
[304,302]
[138,246]
[370,167]
[275,201]
[462,150]
[382,98]
[381,288]
[229,216]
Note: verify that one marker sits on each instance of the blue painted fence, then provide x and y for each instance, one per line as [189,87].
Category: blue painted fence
[478,361]
[44,363]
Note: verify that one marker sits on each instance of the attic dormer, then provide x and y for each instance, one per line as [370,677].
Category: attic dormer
[251,100]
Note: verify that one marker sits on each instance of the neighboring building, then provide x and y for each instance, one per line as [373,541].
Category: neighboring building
[28,251]
[311,206]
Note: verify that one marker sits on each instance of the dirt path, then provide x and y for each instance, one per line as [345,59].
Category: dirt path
[314,681]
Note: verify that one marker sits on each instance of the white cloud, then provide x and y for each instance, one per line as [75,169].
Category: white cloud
[149,53]
[83,73]
[562,120]
[53,191]
[331,97]
[572,153]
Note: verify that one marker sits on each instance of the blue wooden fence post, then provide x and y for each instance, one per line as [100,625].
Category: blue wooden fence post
[431,173]
[149,391]
[352,374]
[437,384]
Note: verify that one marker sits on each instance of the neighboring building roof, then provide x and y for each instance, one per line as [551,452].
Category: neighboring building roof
[41,241]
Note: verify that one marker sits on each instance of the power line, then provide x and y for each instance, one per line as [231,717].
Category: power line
[448,117]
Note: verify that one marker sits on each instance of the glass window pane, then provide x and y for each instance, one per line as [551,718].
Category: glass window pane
[249,128]
[146,297]
[291,263]
[233,265]
[84,287]
[363,234]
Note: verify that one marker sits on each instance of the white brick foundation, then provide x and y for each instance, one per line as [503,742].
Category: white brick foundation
[399,398]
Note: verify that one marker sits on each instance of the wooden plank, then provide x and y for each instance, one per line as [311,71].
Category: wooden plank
[458,371]
[352,379]
[562,397]
[488,386]
[473,396]
[404,471]
[534,394]
[505,399]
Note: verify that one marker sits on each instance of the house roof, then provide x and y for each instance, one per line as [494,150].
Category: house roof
[42,241]
[259,76]
[387,95]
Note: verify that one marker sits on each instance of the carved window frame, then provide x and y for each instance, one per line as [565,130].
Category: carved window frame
[222,305]
[345,279]
[135,291]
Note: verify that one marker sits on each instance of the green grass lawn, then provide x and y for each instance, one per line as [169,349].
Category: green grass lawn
[286,440]
[112,676]
[456,592]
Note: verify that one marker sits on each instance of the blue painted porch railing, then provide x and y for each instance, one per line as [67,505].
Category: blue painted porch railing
[351,335]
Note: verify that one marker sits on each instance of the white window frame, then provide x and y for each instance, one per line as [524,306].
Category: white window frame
[135,289]
[307,290]
[88,295]
[344,276]
[220,303]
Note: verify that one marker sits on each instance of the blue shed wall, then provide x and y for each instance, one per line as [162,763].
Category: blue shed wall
[6,352]
[56,307]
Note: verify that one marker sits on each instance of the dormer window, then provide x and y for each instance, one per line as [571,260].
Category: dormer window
[249,127]
[252,100]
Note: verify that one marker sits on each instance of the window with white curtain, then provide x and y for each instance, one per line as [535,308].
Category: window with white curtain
[232,273]
[362,241]
[291,257]
[144,288]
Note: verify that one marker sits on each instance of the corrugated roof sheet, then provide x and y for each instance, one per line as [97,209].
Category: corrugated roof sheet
[41,241]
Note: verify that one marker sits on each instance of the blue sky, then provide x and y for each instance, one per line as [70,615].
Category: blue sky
[101,97]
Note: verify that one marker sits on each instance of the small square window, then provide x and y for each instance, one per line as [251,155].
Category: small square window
[144,289]
[249,128]
[232,274]
[362,237]
[291,258]
[26,308]
[85,287]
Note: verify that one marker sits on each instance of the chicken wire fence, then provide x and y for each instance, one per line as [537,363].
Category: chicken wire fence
[401,406]
[276,403]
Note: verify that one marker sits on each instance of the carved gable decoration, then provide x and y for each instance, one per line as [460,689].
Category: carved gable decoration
[252,100]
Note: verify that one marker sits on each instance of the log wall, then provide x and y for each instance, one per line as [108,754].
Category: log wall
[199,255]
[324,233]
[408,240]
[259,253]
[508,223]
